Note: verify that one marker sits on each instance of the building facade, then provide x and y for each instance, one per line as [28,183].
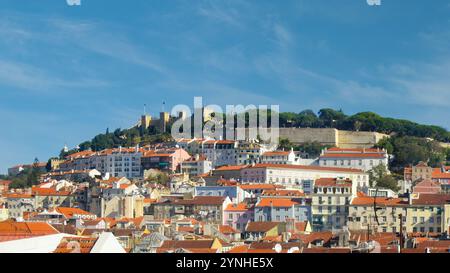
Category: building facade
[364,159]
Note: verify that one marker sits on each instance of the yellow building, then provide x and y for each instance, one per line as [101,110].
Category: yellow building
[362,214]
[428,213]
[423,213]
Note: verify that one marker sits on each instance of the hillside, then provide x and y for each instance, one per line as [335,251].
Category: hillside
[325,118]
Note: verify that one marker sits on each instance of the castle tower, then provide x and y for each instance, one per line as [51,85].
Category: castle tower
[164,118]
[146,120]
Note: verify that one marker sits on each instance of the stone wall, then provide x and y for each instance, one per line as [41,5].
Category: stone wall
[351,139]
[331,136]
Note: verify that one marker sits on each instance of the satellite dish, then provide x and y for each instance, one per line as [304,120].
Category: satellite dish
[293,249]
[278,248]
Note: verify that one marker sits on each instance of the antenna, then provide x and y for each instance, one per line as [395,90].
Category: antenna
[145,109]
[163,104]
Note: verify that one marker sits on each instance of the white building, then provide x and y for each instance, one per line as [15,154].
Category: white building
[296,175]
[364,159]
[120,162]
[196,165]
[221,152]
[279,157]
[251,152]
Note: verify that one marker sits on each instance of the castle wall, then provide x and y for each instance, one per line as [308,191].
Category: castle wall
[331,136]
[351,139]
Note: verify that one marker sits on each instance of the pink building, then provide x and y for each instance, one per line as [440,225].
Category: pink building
[164,160]
[237,216]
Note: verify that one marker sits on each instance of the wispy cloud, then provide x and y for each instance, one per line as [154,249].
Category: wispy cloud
[93,36]
[218,12]
[28,77]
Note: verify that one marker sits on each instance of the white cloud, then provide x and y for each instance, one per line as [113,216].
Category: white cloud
[220,13]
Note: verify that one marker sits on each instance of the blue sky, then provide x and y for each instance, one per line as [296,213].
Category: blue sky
[69,72]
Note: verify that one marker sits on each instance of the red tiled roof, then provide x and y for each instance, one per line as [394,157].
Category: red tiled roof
[326,236]
[227,229]
[232,168]
[71,212]
[427,186]
[203,244]
[438,174]
[80,154]
[431,199]
[276,202]
[326,250]
[277,153]
[277,192]
[257,186]
[5,182]
[10,229]
[238,207]
[301,226]
[49,192]
[303,167]
[75,245]
[332,182]
[261,226]
[186,229]
[18,195]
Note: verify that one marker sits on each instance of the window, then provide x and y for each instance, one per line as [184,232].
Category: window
[414,220]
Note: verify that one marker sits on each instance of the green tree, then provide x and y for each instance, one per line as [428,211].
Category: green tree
[307,118]
[330,118]
[33,177]
[285,144]
[380,178]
